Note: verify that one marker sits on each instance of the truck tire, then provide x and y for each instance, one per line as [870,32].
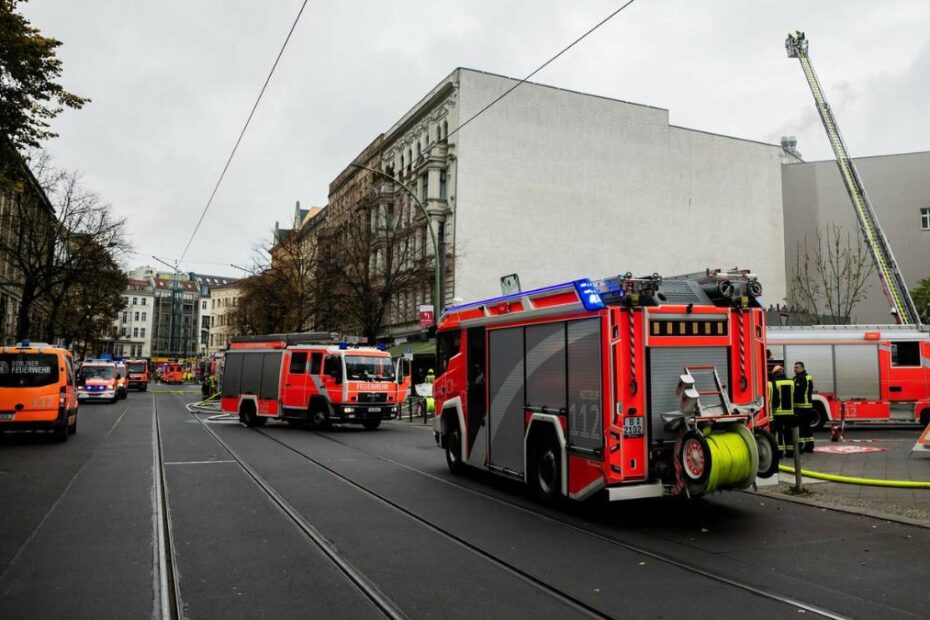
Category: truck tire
[73,428]
[371,425]
[453,444]
[819,416]
[60,432]
[768,453]
[248,415]
[695,457]
[545,467]
[925,417]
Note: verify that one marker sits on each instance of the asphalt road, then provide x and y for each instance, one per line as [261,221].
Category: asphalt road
[282,522]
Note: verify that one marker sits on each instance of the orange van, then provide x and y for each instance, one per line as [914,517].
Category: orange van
[98,380]
[37,389]
[174,373]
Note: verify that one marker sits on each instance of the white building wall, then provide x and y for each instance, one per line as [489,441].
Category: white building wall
[555,185]
[138,331]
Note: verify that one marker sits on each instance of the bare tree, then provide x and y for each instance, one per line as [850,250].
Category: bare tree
[48,248]
[830,276]
[371,257]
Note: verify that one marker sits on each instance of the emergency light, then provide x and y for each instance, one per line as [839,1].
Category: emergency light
[590,298]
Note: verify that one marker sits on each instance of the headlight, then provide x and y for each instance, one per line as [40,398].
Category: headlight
[349,409]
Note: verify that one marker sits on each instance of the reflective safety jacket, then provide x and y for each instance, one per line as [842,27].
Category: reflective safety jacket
[782,396]
[803,390]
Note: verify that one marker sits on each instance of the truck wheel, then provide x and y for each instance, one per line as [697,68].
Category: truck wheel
[371,425]
[768,453]
[925,417]
[73,428]
[818,416]
[695,457]
[453,444]
[60,434]
[545,468]
[248,416]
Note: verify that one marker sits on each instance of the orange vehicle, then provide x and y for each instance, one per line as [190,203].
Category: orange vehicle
[122,380]
[138,374]
[174,373]
[303,379]
[37,390]
[98,380]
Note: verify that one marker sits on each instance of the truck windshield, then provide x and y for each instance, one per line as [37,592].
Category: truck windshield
[136,367]
[365,368]
[96,372]
[28,369]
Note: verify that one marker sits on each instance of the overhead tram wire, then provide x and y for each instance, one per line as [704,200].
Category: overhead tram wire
[219,181]
[524,80]
[539,68]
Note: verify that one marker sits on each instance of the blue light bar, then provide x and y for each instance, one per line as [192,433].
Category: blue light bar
[502,298]
[588,294]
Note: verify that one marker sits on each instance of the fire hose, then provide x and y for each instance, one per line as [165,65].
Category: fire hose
[873,482]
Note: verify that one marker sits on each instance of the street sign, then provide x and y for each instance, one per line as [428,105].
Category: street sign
[408,353]
[426,316]
[510,284]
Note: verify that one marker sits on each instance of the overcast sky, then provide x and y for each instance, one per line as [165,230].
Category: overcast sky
[172,82]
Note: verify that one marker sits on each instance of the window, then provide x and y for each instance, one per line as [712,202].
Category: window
[905,353]
[125,317]
[448,346]
[143,316]
[122,332]
[298,362]
[203,305]
[135,300]
[142,332]
[137,316]
[135,332]
[442,184]
[925,219]
[316,361]
[424,186]
[143,301]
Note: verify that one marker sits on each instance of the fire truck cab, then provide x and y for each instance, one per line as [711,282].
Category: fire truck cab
[861,373]
[138,374]
[304,379]
[629,387]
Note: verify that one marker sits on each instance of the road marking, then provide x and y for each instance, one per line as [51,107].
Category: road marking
[195,462]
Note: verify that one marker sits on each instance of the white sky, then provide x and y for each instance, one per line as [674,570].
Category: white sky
[172,83]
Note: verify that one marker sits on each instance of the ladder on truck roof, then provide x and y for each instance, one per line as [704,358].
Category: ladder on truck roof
[902,306]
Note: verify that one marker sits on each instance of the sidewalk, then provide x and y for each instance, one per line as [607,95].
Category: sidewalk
[874,452]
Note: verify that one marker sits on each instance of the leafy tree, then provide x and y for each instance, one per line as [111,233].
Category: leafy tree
[30,95]
[921,296]
[830,277]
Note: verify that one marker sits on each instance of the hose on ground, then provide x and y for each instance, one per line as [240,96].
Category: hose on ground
[872,482]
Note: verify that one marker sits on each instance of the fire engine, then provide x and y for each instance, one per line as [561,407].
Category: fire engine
[138,374]
[629,387]
[862,373]
[302,378]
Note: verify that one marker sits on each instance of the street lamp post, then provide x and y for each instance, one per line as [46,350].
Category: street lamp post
[437,290]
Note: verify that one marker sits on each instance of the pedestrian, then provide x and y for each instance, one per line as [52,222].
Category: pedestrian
[783,418]
[430,376]
[804,406]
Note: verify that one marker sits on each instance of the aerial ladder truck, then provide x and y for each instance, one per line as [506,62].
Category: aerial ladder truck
[862,373]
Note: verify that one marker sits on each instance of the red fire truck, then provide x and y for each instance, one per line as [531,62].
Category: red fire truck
[303,379]
[861,373]
[138,374]
[632,387]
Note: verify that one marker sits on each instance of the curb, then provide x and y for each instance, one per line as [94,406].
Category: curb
[862,512]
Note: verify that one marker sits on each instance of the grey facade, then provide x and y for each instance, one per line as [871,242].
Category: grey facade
[899,188]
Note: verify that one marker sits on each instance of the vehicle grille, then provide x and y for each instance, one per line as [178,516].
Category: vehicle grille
[372,397]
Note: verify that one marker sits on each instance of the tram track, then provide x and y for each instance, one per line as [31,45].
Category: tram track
[169,605]
[365,586]
[567,599]
[655,555]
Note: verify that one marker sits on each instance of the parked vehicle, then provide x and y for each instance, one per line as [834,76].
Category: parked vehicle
[863,373]
[37,390]
[122,381]
[138,374]
[173,373]
[98,380]
[303,379]
[628,387]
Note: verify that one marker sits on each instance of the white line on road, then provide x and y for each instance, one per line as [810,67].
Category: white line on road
[195,462]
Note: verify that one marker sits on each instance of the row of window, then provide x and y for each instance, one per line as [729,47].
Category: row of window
[223,302]
[137,332]
[132,350]
[137,315]
[442,132]
[135,301]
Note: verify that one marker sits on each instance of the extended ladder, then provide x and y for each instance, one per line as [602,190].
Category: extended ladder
[902,306]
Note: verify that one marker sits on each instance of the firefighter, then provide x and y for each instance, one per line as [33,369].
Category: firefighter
[783,418]
[804,406]
[430,376]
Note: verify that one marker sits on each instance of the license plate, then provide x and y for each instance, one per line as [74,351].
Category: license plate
[373,409]
[6,416]
[633,427]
